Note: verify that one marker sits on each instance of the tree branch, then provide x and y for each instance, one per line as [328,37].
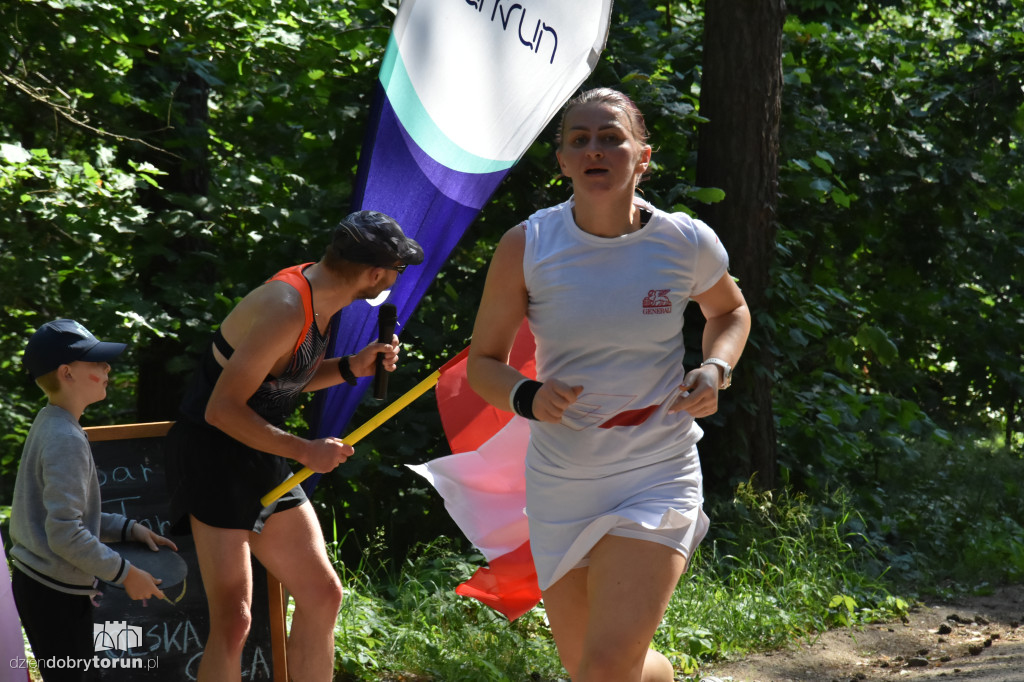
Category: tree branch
[65,112]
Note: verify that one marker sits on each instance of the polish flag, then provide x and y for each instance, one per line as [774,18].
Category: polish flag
[483,483]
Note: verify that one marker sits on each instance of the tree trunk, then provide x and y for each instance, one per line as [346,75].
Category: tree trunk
[160,389]
[738,152]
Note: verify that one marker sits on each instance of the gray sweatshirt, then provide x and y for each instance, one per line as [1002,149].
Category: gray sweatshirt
[57,527]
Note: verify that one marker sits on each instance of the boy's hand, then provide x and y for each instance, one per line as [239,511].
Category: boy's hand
[144,535]
[141,585]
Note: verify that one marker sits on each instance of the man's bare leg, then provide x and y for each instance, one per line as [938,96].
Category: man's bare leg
[291,547]
[227,578]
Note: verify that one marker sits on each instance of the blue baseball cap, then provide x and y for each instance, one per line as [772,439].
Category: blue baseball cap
[62,342]
[374,238]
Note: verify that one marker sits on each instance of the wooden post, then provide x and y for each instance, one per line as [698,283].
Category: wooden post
[278,627]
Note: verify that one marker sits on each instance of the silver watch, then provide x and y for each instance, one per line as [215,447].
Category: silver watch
[726,370]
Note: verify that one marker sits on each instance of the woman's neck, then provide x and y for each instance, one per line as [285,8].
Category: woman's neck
[608,218]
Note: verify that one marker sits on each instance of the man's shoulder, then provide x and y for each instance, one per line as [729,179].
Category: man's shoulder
[273,313]
[274,302]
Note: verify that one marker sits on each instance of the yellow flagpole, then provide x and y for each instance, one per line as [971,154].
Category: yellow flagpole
[357,435]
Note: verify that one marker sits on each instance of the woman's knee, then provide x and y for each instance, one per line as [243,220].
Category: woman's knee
[614,663]
[657,668]
[607,666]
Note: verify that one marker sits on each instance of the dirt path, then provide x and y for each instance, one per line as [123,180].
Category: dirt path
[978,638]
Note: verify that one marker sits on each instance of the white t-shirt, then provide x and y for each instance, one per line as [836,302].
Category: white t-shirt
[607,314]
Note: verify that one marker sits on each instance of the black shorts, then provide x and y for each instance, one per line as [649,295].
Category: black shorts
[220,481]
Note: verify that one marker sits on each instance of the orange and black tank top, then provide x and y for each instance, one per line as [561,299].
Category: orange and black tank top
[277,397]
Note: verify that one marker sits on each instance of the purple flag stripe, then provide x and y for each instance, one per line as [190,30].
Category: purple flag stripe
[434,205]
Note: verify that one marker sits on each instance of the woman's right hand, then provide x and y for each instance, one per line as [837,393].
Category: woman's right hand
[325,454]
[552,400]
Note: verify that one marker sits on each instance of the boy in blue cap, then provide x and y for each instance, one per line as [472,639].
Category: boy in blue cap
[57,527]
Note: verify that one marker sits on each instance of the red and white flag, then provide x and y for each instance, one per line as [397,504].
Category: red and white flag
[483,483]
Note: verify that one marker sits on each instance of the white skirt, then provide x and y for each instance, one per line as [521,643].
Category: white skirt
[660,502]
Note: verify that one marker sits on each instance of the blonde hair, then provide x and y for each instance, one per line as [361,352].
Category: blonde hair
[49,382]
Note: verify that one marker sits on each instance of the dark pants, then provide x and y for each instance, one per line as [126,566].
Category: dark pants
[58,625]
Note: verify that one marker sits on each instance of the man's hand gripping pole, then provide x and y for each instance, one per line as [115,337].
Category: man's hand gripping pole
[357,435]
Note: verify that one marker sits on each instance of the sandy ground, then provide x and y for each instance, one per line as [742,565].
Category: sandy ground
[977,638]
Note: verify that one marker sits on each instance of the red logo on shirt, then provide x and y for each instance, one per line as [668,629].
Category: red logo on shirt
[657,302]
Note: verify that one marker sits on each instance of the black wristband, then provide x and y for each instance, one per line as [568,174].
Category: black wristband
[346,370]
[522,399]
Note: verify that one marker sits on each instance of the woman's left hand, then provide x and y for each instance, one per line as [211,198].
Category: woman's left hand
[699,395]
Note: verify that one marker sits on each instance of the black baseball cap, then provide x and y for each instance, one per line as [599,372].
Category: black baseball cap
[373,238]
[62,342]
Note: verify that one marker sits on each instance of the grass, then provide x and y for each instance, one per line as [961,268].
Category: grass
[410,625]
[776,572]
[952,520]
[778,568]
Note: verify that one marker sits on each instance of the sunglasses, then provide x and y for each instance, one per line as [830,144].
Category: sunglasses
[397,268]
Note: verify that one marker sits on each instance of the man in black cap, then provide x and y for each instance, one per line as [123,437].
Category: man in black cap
[58,530]
[229,447]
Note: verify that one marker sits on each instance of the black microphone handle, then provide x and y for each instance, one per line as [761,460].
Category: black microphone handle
[387,317]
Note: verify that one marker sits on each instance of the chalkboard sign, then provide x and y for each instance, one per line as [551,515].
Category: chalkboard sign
[161,640]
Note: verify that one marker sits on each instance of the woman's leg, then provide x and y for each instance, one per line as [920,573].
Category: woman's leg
[604,616]
[227,578]
[291,547]
[568,609]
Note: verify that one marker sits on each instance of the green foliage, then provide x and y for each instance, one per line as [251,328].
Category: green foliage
[186,152]
[407,619]
[952,517]
[896,308]
[158,158]
[778,568]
